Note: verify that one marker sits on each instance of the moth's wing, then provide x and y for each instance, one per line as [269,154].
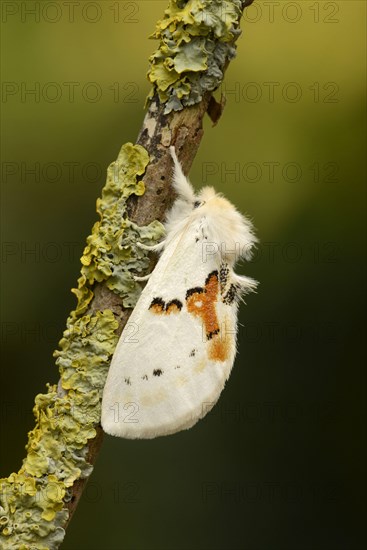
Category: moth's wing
[171,364]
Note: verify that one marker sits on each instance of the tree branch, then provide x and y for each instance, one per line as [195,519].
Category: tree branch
[37,503]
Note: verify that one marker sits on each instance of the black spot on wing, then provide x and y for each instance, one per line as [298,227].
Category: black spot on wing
[145,377]
[174,302]
[128,381]
[157,372]
[209,335]
[230,295]
[223,276]
[193,352]
[157,302]
[195,290]
[212,274]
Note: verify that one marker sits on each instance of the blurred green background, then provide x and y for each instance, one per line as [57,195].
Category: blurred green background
[279,463]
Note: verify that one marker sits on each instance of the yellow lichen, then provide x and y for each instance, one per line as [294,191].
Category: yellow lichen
[111,253]
[196,40]
[32,501]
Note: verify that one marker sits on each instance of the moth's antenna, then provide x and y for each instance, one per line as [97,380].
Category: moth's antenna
[180,182]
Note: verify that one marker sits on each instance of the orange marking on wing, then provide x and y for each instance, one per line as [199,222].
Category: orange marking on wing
[221,345]
[202,304]
[157,309]
[218,349]
[172,308]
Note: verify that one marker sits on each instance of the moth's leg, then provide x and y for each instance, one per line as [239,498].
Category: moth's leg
[141,279]
[152,248]
[245,284]
[238,286]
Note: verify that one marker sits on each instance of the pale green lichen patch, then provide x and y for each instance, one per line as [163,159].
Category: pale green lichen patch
[32,501]
[196,40]
[111,253]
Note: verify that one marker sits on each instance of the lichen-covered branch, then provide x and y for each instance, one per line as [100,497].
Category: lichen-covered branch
[196,41]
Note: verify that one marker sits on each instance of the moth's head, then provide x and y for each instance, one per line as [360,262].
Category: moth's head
[229,228]
[208,200]
[226,227]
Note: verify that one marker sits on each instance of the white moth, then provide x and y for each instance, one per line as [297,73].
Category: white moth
[178,348]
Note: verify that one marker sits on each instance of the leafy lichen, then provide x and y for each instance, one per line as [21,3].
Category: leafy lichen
[196,40]
[111,253]
[32,501]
